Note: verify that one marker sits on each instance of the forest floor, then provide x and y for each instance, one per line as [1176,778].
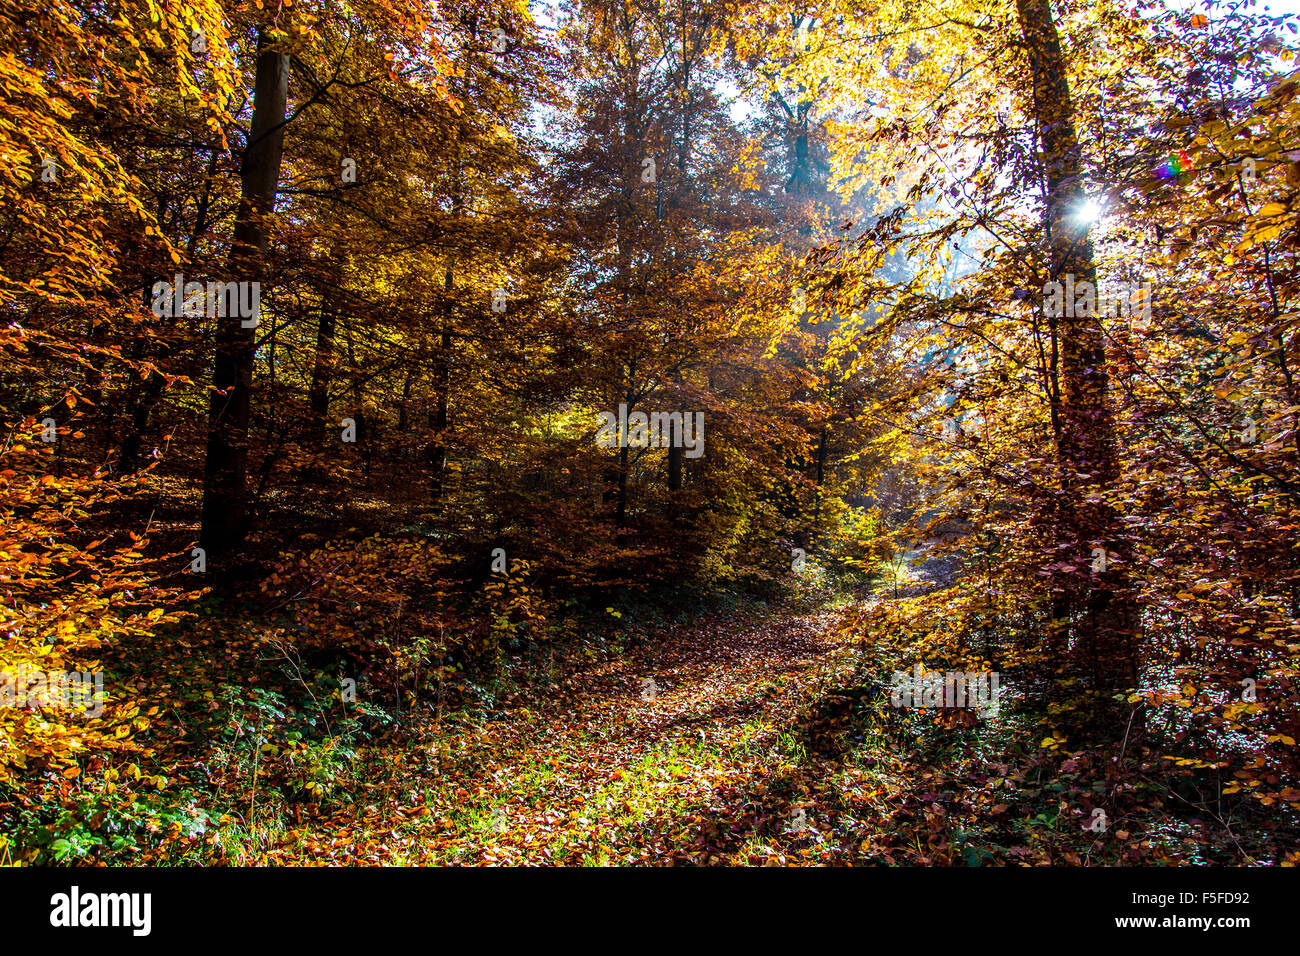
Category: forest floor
[687,750]
[738,737]
[759,733]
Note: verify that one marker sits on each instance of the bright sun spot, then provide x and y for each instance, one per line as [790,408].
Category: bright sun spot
[1088,212]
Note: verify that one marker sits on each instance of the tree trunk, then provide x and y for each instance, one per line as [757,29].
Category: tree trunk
[625,460]
[321,375]
[404,410]
[225,493]
[1086,447]
[620,514]
[133,442]
[440,416]
[675,456]
[442,386]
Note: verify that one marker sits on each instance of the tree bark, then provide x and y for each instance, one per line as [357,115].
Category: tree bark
[1086,445]
[225,493]
[442,388]
[321,375]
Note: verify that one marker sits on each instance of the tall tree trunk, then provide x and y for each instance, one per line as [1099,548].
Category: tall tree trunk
[225,493]
[404,410]
[133,441]
[440,414]
[321,375]
[440,417]
[1086,446]
[620,514]
[675,456]
[625,456]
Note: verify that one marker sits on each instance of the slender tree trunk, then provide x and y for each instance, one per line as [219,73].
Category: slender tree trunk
[442,387]
[1086,447]
[441,417]
[133,441]
[620,516]
[403,410]
[321,375]
[225,493]
[625,459]
[675,456]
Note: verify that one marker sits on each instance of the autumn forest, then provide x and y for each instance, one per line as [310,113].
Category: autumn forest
[649,432]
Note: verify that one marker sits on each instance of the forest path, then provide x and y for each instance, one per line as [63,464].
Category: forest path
[676,752]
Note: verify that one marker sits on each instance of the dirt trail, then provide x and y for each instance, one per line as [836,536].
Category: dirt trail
[635,760]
